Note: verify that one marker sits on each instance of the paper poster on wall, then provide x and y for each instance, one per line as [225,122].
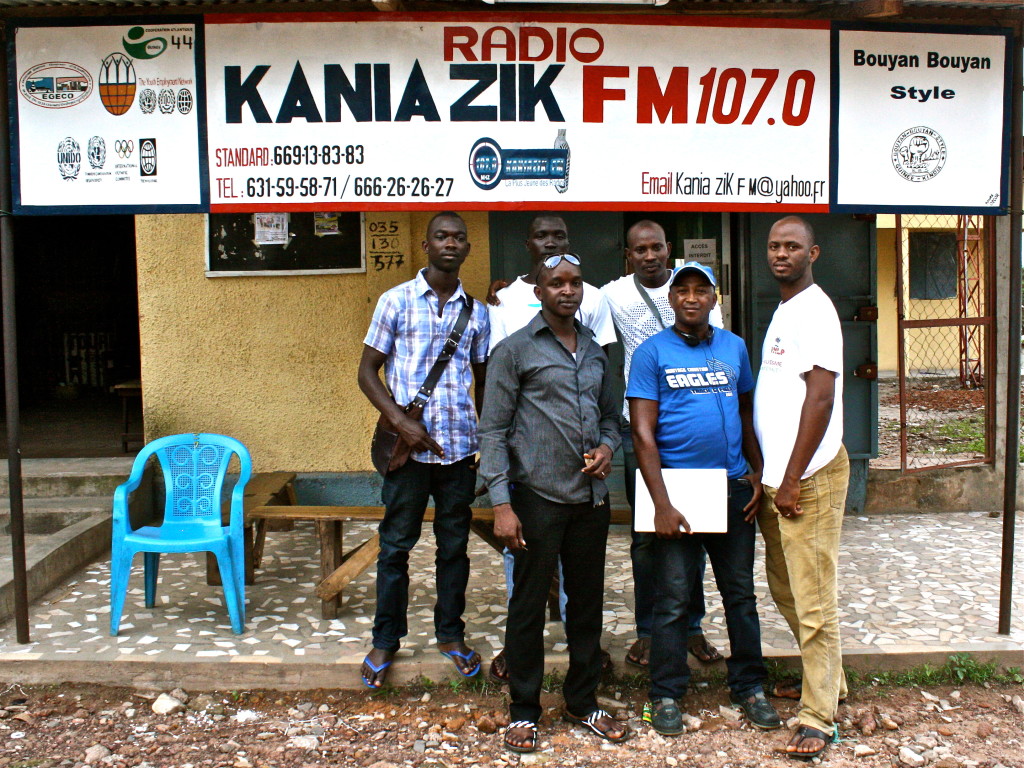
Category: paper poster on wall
[270,228]
[937,135]
[107,118]
[403,112]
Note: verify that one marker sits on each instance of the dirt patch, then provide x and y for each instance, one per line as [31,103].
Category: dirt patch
[945,422]
[972,727]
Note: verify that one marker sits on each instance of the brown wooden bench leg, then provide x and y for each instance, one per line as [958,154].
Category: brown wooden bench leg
[260,541]
[554,610]
[213,571]
[353,563]
[330,533]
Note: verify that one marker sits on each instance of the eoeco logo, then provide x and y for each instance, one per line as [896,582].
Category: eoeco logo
[55,85]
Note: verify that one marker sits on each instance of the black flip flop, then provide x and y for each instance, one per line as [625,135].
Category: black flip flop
[807,732]
[645,647]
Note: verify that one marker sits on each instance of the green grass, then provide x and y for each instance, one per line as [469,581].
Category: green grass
[967,434]
[959,669]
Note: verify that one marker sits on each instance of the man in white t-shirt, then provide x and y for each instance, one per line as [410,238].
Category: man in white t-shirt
[514,307]
[640,308]
[798,418]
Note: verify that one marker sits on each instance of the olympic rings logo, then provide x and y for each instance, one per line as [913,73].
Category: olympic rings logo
[124,148]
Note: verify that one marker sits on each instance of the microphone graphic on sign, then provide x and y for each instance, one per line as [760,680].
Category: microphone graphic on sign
[490,164]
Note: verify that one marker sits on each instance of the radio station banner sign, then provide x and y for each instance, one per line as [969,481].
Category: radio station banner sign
[361,112]
[922,121]
[108,118]
[601,112]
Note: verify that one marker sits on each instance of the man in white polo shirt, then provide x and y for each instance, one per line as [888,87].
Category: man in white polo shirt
[798,418]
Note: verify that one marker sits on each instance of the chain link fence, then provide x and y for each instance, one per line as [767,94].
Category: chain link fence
[944,320]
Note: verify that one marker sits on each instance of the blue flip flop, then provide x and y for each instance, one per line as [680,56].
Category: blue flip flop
[376,671]
[453,655]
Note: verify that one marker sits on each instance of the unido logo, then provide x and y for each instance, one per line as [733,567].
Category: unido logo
[117,83]
[69,159]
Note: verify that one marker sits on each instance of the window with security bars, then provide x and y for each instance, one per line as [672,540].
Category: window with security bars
[933,266]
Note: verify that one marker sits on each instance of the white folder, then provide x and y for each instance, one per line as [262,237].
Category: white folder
[701,495]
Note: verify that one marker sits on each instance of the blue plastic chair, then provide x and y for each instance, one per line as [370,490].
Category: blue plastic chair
[194,467]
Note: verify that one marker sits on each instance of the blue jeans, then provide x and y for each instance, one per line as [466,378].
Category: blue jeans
[510,581]
[405,494]
[641,552]
[677,564]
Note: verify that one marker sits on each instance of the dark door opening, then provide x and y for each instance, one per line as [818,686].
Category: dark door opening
[78,333]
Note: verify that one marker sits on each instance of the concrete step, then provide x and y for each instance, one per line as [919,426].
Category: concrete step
[45,516]
[55,478]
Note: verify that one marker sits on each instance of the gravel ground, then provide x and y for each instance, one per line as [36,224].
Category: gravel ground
[449,725]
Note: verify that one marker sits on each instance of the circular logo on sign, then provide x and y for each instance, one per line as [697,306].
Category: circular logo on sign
[147,157]
[147,100]
[55,85]
[69,159]
[919,154]
[166,100]
[485,163]
[97,151]
[117,83]
[124,148]
[185,101]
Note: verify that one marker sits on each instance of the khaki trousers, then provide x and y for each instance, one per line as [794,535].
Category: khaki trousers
[802,555]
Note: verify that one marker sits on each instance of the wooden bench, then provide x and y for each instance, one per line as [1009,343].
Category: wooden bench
[337,567]
[263,488]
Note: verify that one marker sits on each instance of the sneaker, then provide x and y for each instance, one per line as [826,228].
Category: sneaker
[666,718]
[758,710]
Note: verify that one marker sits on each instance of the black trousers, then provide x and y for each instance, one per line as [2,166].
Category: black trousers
[578,534]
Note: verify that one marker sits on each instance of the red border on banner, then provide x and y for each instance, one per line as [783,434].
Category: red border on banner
[328,206]
[666,20]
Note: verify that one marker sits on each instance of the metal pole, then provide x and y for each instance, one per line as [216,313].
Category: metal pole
[11,368]
[1013,351]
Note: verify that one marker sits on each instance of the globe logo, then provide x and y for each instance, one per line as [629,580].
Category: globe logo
[185,101]
[97,151]
[117,83]
[69,159]
[147,157]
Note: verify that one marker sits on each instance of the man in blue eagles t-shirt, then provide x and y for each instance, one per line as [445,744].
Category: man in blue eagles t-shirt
[690,406]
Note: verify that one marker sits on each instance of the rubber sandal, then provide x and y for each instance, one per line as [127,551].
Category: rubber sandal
[641,648]
[807,732]
[704,651]
[787,689]
[527,724]
[590,722]
[376,671]
[498,671]
[455,655]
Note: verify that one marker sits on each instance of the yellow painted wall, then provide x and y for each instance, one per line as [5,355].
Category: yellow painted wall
[928,349]
[886,275]
[269,360]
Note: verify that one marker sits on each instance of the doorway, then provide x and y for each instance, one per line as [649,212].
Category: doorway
[78,333]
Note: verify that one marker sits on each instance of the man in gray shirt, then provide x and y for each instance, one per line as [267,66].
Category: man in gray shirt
[548,430]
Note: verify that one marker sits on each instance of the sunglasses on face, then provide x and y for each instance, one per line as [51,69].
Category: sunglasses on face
[553,261]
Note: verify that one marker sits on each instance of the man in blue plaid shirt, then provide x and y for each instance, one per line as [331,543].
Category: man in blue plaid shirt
[410,325]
